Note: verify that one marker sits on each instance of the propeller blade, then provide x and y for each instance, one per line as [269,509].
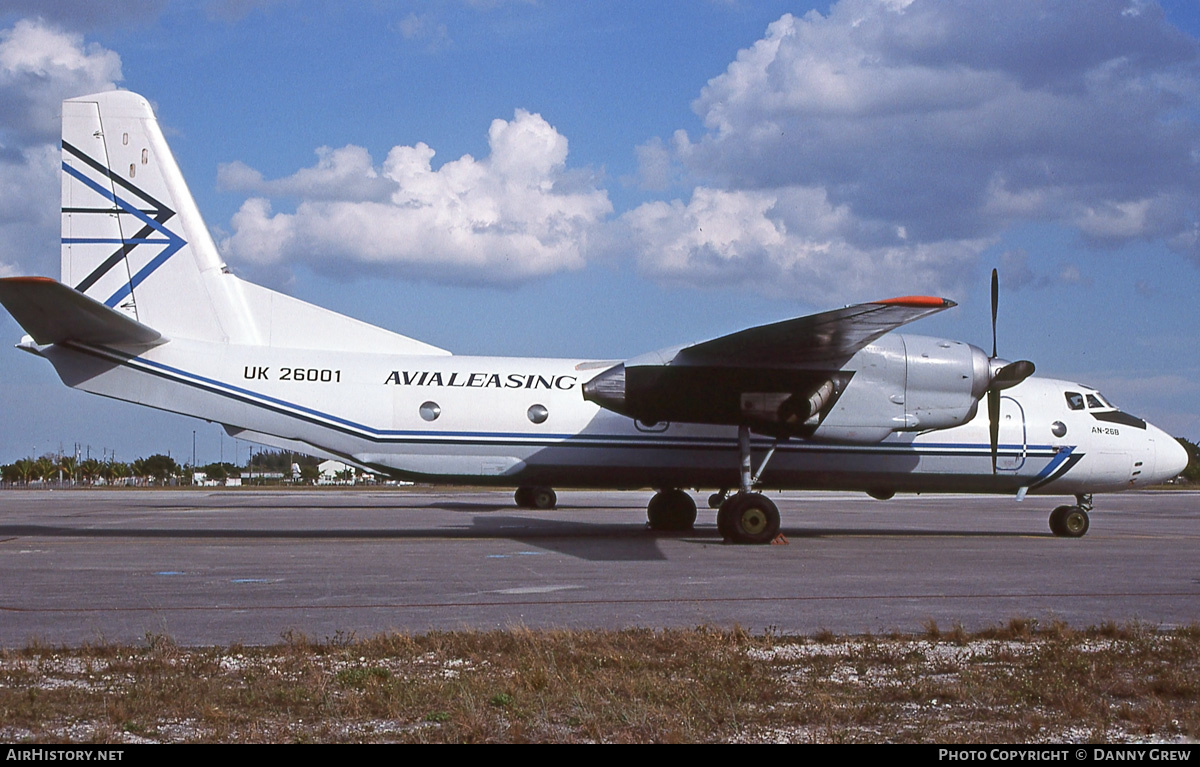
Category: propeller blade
[1012,374]
[995,304]
[1006,377]
[993,406]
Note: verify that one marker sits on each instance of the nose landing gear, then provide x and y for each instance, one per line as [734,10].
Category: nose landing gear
[1072,521]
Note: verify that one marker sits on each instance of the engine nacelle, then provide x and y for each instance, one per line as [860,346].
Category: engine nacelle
[945,381]
[907,383]
[899,383]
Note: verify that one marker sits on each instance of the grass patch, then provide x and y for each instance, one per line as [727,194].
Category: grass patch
[1019,682]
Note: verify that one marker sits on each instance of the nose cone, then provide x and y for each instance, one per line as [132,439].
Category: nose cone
[1171,458]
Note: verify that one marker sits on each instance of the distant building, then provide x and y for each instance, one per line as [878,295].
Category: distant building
[201,479]
[336,473]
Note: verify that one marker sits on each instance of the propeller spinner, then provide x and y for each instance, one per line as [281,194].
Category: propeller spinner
[1003,378]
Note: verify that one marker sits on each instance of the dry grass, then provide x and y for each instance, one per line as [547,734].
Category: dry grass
[1017,683]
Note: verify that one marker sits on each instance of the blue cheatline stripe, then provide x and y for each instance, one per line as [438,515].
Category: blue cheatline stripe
[1057,468]
[112,241]
[1054,464]
[363,431]
[174,241]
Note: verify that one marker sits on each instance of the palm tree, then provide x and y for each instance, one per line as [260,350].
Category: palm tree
[115,471]
[140,470]
[25,470]
[45,469]
[90,470]
[68,466]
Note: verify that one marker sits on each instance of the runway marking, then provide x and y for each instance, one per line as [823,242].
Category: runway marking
[516,554]
[535,590]
[569,602]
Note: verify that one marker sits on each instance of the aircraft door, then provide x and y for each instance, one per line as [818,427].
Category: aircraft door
[1013,445]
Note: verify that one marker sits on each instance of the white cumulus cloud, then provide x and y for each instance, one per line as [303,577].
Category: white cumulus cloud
[40,65]
[930,127]
[515,214]
[346,174]
[785,242]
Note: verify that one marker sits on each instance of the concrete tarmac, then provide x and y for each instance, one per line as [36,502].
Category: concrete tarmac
[225,566]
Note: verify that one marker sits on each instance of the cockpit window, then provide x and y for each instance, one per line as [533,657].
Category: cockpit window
[1074,400]
[1094,401]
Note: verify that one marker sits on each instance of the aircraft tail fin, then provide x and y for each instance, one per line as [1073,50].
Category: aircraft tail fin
[133,241]
[132,237]
[53,313]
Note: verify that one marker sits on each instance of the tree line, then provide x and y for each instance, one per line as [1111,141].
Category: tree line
[155,469]
[67,469]
[162,469]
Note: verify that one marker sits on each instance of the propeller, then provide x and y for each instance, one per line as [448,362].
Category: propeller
[1006,377]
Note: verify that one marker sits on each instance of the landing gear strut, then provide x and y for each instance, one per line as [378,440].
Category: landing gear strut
[671,510]
[748,517]
[541,498]
[1072,521]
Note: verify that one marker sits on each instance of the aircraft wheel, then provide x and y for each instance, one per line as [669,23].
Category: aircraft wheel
[1056,520]
[1069,522]
[725,517]
[671,510]
[716,499]
[542,498]
[524,497]
[748,518]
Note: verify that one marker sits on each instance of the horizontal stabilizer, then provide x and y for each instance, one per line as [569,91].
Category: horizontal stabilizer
[52,313]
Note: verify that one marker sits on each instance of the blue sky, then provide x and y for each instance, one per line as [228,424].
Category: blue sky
[602,179]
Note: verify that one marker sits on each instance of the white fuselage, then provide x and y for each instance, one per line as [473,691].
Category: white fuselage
[378,410]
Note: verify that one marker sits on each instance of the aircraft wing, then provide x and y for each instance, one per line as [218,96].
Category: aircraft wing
[832,335]
[52,313]
[782,377]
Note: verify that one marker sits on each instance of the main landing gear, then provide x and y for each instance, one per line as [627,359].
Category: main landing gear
[671,510]
[744,517]
[1072,521]
[747,516]
[541,498]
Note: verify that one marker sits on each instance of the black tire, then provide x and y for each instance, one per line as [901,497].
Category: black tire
[1069,522]
[715,500]
[671,510]
[725,514]
[748,518]
[524,497]
[542,498]
[1056,520]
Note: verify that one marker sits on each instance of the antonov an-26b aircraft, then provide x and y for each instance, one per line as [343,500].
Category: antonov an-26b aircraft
[147,312]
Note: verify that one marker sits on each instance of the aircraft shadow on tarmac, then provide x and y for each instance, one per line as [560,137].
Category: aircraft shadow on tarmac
[590,541]
[471,507]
